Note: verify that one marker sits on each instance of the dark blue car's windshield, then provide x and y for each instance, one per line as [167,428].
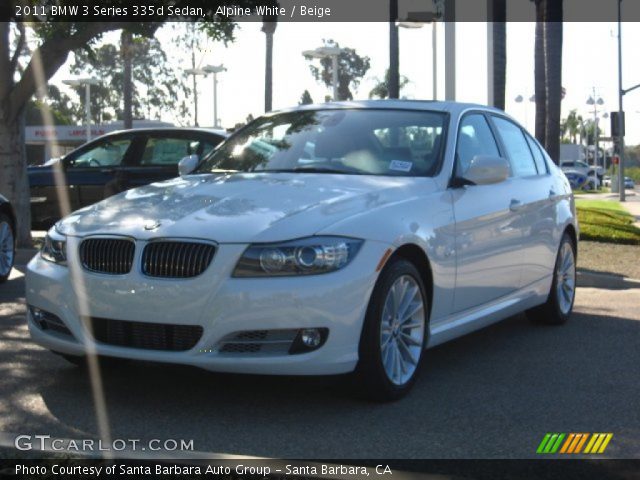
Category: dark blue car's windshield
[350,141]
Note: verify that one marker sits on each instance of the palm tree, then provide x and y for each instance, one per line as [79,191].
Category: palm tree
[570,127]
[553,68]
[540,89]
[498,17]
[548,74]
[394,51]
[269,24]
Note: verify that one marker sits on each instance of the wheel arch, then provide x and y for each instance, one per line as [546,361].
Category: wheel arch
[571,231]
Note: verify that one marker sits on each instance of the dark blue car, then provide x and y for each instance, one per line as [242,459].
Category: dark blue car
[111,164]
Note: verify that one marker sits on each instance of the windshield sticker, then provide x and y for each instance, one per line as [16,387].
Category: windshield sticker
[400,165]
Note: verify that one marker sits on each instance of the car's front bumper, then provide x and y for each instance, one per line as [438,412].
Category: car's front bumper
[220,304]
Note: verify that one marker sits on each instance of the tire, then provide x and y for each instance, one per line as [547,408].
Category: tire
[557,309]
[7,247]
[386,349]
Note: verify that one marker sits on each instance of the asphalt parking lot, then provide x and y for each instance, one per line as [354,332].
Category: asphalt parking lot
[491,394]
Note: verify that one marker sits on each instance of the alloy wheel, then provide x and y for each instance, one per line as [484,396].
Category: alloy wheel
[402,330]
[566,278]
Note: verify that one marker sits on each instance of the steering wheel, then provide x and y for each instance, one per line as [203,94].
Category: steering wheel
[96,162]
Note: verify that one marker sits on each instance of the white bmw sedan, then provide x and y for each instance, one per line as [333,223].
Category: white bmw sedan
[329,239]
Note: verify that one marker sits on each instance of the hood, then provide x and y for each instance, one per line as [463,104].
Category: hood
[241,208]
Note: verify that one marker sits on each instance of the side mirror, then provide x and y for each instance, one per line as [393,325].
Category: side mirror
[188,164]
[486,170]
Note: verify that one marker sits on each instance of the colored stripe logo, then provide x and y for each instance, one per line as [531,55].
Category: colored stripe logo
[591,443]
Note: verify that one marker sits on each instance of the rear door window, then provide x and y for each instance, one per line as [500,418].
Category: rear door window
[168,151]
[520,156]
[538,156]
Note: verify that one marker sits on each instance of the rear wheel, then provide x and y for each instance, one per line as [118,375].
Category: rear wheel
[7,247]
[559,304]
[394,332]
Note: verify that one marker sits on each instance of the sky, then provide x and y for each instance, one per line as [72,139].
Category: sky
[589,61]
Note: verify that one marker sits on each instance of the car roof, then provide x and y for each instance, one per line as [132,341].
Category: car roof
[216,131]
[420,105]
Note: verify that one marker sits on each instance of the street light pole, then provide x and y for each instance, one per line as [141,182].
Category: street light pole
[195,72]
[434,53]
[621,93]
[215,70]
[417,20]
[595,101]
[87,108]
[334,65]
[87,82]
[328,52]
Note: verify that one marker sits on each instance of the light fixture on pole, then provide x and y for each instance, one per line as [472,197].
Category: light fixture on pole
[328,52]
[595,103]
[87,82]
[195,72]
[215,70]
[520,99]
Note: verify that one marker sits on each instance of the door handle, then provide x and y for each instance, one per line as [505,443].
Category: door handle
[515,205]
[107,170]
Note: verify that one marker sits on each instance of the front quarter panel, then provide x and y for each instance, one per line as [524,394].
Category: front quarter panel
[424,219]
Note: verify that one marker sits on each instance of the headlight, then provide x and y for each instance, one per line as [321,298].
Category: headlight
[307,256]
[54,248]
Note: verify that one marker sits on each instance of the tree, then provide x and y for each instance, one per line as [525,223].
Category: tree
[139,68]
[381,89]
[305,99]
[55,40]
[269,24]
[553,67]
[351,69]
[571,127]
[540,89]
[548,74]
[498,17]
[393,80]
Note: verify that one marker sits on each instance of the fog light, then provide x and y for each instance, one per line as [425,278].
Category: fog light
[38,315]
[48,321]
[309,339]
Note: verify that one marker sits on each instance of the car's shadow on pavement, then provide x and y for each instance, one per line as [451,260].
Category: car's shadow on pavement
[494,393]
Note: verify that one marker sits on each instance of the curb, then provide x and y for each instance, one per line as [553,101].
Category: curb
[603,280]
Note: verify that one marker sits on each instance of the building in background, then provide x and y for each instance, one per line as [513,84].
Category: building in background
[46,142]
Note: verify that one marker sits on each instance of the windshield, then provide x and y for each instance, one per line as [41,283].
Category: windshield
[364,142]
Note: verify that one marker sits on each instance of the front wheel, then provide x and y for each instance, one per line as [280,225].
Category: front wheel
[394,332]
[559,304]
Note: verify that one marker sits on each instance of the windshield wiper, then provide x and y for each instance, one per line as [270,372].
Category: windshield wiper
[216,170]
